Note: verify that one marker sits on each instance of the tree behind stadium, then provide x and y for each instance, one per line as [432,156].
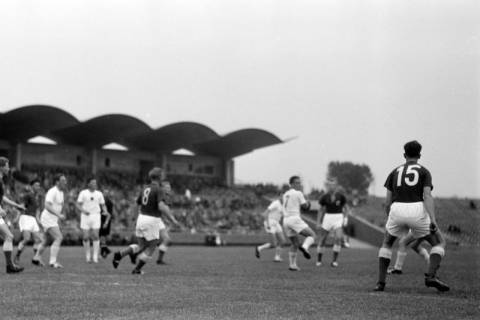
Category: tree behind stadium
[352,177]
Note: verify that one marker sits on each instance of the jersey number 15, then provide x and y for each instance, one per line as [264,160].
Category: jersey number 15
[411,175]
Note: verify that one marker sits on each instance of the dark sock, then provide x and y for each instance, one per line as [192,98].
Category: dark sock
[434,264]
[335,255]
[160,255]
[383,264]
[319,257]
[8,258]
[140,264]
[34,251]
[19,252]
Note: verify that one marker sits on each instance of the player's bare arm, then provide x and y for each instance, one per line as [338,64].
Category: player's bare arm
[388,202]
[106,214]
[165,209]
[79,206]
[49,207]
[13,203]
[429,205]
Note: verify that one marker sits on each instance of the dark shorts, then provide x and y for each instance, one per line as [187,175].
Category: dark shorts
[105,231]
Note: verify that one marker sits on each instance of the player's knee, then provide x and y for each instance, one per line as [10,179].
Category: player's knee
[135,248]
[438,249]
[337,247]
[95,237]
[385,253]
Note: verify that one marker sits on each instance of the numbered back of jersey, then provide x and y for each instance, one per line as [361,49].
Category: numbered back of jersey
[407,182]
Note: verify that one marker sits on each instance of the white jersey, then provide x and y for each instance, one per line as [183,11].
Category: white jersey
[56,198]
[292,200]
[91,201]
[275,210]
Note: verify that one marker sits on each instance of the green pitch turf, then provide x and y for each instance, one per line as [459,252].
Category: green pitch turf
[230,283]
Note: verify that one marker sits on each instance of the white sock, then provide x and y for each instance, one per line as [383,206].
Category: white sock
[424,253]
[264,246]
[86,246]
[7,245]
[292,257]
[54,252]
[278,251]
[96,250]
[308,242]
[401,255]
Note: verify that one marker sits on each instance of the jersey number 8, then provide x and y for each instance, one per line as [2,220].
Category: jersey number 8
[146,193]
[411,175]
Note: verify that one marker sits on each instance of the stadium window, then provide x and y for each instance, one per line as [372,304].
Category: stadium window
[79,161]
[107,162]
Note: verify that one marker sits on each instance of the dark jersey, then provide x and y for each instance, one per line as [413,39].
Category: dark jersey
[334,205]
[407,181]
[29,200]
[149,198]
[2,190]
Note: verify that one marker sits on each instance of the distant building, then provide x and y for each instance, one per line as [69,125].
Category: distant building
[88,145]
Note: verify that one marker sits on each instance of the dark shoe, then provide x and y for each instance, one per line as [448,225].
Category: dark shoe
[306,254]
[16,260]
[136,271]
[38,263]
[257,253]
[394,271]
[434,282]
[14,269]
[116,259]
[379,287]
[161,262]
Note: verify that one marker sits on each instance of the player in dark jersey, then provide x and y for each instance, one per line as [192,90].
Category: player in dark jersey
[28,222]
[410,207]
[106,222]
[331,217]
[152,206]
[5,232]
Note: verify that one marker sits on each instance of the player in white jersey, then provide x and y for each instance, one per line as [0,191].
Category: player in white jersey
[273,216]
[293,202]
[91,205]
[52,212]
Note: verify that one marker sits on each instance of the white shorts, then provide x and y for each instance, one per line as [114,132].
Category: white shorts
[48,220]
[408,216]
[28,223]
[91,221]
[148,227]
[293,225]
[332,221]
[275,226]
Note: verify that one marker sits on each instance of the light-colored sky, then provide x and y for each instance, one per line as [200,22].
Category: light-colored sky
[354,80]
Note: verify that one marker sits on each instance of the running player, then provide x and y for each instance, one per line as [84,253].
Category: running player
[293,202]
[106,222]
[53,211]
[273,215]
[410,206]
[29,220]
[91,204]
[5,232]
[330,217]
[152,205]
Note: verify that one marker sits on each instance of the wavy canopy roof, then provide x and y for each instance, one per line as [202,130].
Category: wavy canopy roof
[21,124]
[26,122]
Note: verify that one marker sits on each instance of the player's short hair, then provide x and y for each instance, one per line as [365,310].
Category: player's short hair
[155,173]
[331,180]
[292,179]
[57,177]
[90,178]
[412,149]
[34,181]
[3,161]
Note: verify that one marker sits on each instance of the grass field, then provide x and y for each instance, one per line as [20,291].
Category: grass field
[230,283]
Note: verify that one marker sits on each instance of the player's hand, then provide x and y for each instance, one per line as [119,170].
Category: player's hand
[345,221]
[61,216]
[433,227]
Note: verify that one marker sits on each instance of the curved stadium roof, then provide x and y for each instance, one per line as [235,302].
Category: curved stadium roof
[23,123]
